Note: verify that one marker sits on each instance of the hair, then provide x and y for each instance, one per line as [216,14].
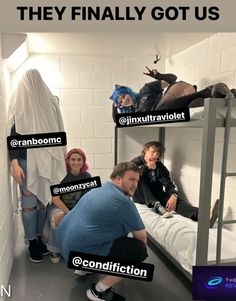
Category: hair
[156,144]
[122,90]
[81,153]
[121,168]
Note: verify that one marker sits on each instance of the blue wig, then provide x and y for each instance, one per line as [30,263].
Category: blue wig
[122,90]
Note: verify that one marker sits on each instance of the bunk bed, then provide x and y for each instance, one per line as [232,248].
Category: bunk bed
[184,242]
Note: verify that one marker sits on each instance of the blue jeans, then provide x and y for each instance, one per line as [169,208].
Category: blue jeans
[52,244]
[33,211]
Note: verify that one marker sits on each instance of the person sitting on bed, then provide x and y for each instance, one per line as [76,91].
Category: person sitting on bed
[155,176]
[177,95]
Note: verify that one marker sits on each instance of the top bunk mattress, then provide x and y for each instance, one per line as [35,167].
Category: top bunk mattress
[198,113]
[178,236]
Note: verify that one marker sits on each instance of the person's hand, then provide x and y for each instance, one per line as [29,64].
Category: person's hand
[151,164]
[171,203]
[152,73]
[17,172]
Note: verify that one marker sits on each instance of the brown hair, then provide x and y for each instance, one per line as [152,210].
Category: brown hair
[121,168]
[158,145]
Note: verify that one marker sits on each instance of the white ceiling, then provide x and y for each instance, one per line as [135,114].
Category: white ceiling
[130,44]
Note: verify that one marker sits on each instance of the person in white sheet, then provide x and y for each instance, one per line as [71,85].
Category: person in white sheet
[34,110]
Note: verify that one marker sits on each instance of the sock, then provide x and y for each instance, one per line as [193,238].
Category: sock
[101,287]
[32,241]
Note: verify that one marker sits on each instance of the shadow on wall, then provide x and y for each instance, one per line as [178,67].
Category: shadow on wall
[177,163]
[228,216]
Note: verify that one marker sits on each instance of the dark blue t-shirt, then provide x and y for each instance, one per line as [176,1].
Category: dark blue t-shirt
[101,216]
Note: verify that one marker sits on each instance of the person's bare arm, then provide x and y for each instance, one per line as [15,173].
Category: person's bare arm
[59,204]
[17,171]
[141,235]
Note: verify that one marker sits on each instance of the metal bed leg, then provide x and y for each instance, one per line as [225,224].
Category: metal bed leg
[162,133]
[207,159]
[224,175]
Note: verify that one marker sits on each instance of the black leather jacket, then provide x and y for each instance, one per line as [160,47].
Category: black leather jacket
[156,179]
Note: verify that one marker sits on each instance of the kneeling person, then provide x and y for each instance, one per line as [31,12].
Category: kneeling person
[99,225]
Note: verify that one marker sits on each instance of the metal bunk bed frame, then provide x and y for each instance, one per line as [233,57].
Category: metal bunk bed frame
[209,125]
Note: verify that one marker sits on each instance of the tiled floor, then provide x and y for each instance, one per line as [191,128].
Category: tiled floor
[48,282]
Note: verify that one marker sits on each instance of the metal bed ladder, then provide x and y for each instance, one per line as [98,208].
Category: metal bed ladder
[224,175]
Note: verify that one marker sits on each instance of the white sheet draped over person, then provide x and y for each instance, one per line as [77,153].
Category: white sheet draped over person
[34,110]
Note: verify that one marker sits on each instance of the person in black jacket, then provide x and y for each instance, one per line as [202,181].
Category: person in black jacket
[127,101]
[163,94]
[156,188]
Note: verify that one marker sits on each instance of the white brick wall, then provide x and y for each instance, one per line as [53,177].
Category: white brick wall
[84,80]
[8,228]
[213,60]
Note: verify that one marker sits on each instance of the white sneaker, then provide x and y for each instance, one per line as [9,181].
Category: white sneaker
[55,257]
[106,295]
[82,273]
[158,208]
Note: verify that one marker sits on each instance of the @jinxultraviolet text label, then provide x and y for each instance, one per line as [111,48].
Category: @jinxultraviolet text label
[111,266]
[152,117]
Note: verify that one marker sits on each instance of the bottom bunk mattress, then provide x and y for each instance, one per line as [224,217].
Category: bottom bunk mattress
[178,236]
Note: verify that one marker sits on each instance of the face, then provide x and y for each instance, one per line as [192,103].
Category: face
[76,162]
[151,154]
[125,100]
[129,182]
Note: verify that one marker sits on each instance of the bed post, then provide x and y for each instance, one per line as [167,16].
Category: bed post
[207,160]
[162,133]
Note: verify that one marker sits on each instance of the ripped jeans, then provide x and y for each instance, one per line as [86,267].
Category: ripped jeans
[33,211]
[52,244]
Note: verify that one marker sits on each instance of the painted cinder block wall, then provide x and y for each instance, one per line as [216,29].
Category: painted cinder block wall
[8,220]
[210,61]
[83,80]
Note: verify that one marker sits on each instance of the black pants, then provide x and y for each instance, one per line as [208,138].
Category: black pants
[128,248]
[144,195]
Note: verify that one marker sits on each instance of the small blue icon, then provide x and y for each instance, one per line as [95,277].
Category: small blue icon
[213,282]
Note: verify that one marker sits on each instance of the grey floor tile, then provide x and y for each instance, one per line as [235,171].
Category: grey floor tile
[49,282]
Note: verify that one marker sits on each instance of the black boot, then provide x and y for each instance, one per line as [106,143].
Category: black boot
[220,90]
[42,247]
[234,92]
[34,252]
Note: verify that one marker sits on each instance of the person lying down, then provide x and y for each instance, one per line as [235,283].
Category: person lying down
[164,93]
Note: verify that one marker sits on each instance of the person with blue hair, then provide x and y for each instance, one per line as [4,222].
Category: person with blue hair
[163,94]
[125,100]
